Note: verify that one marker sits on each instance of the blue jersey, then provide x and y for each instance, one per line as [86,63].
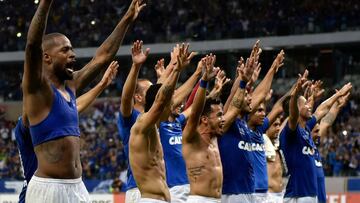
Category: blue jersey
[27,155]
[260,165]
[299,149]
[124,126]
[171,137]
[320,177]
[235,148]
[61,121]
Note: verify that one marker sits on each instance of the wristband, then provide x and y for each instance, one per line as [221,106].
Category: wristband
[203,84]
[242,84]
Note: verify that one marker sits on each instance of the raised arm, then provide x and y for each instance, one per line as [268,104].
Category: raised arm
[220,81]
[245,74]
[294,96]
[325,106]
[33,76]
[163,96]
[184,90]
[330,117]
[200,97]
[127,96]
[277,109]
[86,99]
[106,52]
[263,88]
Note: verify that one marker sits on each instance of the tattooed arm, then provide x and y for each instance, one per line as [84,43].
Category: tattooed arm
[198,104]
[106,52]
[32,78]
[165,93]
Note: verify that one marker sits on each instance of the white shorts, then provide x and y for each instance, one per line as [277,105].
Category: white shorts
[44,190]
[202,199]
[132,196]
[179,193]
[301,200]
[149,200]
[243,198]
[275,197]
[260,197]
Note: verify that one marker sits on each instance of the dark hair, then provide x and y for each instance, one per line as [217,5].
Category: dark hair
[225,92]
[207,107]
[48,40]
[151,95]
[138,86]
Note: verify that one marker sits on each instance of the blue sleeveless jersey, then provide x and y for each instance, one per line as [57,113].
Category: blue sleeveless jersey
[237,159]
[299,149]
[61,121]
[258,149]
[320,177]
[27,155]
[171,137]
[124,126]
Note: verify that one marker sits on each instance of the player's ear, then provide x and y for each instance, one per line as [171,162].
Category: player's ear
[47,58]
[204,119]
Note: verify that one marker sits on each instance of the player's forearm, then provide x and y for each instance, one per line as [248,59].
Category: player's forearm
[110,46]
[129,88]
[263,88]
[293,111]
[325,106]
[184,90]
[38,24]
[86,99]
[235,108]
[198,105]
[167,89]
[232,93]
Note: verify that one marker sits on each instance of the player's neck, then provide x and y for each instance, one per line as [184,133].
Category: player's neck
[205,133]
[139,107]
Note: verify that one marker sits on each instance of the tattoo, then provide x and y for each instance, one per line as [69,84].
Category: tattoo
[53,151]
[237,102]
[167,91]
[194,172]
[329,118]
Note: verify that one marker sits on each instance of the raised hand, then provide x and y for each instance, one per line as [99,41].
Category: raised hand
[279,61]
[110,73]
[210,70]
[135,7]
[137,53]
[159,68]
[345,89]
[184,57]
[343,100]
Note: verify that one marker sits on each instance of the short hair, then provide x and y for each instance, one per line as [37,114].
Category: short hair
[207,108]
[151,95]
[48,40]
[225,92]
[138,86]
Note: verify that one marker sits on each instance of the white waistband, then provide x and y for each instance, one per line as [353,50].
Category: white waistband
[148,200]
[203,198]
[52,180]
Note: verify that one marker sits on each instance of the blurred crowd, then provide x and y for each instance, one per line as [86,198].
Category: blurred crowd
[88,22]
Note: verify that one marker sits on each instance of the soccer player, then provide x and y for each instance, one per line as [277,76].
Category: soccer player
[49,86]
